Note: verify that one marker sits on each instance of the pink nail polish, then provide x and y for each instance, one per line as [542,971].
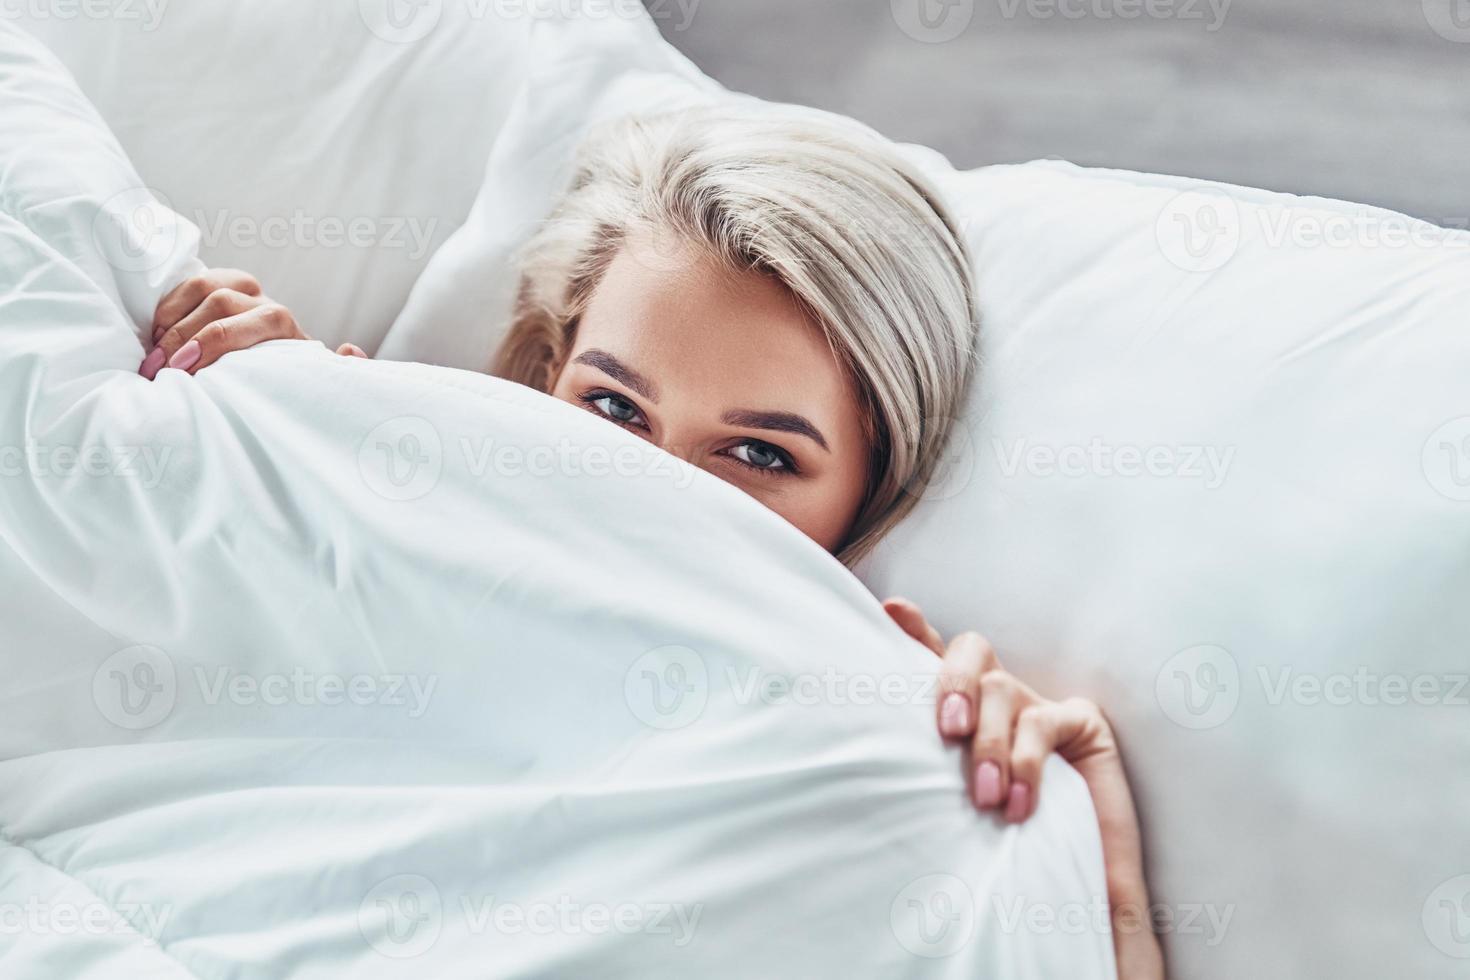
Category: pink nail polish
[954,715]
[987,785]
[152,363]
[1019,805]
[187,357]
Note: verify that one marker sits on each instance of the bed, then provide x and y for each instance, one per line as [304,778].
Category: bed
[311,672]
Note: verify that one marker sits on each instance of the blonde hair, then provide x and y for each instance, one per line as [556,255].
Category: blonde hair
[831,210]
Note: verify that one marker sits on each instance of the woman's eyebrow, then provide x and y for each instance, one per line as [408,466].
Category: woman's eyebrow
[775,422]
[616,369]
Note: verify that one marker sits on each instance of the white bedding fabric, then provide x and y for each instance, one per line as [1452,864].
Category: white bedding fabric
[309,675]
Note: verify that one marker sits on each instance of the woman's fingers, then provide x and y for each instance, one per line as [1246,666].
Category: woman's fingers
[218,305]
[968,657]
[1012,730]
[212,314]
[186,297]
[1036,738]
[910,619]
[244,330]
[1075,729]
[351,350]
[990,753]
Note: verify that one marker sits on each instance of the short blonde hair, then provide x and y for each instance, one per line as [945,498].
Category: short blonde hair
[830,209]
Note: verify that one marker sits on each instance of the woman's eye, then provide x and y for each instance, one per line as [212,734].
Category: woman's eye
[762,456]
[618,409]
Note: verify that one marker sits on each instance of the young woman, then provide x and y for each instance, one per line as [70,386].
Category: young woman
[777,297]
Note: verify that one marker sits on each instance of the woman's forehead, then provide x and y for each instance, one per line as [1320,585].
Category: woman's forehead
[695,323]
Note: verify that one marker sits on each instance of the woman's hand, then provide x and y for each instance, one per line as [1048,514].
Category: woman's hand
[1011,730]
[211,315]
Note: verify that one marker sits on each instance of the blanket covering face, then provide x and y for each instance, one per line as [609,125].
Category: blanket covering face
[318,667]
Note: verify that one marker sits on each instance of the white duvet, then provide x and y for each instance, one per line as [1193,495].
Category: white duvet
[317,667]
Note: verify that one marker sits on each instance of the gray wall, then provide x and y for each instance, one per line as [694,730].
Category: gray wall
[1367,100]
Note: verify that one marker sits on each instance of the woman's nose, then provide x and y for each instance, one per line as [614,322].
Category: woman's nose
[688,452]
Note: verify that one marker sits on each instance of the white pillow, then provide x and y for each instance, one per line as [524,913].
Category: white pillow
[323,147]
[1215,474]
[321,667]
[1319,351]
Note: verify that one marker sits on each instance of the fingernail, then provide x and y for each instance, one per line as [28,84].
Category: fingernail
[187,357]
[1019,803]
[987,785]
[954,714]
[152,363]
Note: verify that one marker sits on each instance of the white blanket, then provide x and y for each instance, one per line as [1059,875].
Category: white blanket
[317,667]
